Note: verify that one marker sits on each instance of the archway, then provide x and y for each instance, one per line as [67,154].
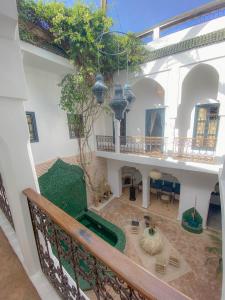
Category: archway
[214,213]
[131,180]
[200,86]
[149,94]
[165,195]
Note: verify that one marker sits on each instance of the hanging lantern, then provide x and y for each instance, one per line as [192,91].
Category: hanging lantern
[129,95]
[118,103]
[99,89]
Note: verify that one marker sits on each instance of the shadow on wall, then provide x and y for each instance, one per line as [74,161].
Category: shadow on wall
[200,85]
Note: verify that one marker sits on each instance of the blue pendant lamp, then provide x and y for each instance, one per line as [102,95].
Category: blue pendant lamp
[129,95]
[118,103]
[99,89]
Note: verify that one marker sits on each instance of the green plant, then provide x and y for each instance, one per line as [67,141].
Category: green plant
[78,31]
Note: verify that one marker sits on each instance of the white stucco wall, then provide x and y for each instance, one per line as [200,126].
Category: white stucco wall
[43,98]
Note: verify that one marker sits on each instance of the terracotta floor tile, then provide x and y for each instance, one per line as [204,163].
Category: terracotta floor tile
[14,282]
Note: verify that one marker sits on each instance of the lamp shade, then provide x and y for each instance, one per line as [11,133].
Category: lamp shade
[129,95]
[118,103]
[155,174]
[99,89]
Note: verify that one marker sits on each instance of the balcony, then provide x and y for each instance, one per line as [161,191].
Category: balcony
[184,149]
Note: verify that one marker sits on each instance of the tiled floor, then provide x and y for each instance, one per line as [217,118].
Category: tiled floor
[156,206]
[14,282]
[201,282]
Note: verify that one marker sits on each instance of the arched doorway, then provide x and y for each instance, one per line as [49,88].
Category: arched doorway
[149,96]
[131,183]
[165,195]
[214,212]
[200,86]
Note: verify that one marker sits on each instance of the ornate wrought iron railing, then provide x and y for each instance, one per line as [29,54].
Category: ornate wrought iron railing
[105,143]
[199,149]
[193,149]
[4,204]
[143,144]
[71,255]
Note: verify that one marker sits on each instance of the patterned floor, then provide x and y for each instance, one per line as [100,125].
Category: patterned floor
[14,282]
[202,281]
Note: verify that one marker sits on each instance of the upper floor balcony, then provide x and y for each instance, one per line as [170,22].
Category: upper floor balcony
[185,153]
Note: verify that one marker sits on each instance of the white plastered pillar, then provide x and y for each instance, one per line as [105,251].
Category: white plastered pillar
[117,135]
[16,163]
[114,177]
[145,189]
[171,102]
[220,149]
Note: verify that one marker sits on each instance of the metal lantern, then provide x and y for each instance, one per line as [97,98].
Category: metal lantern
[99,89]
[129,95]
[118,103]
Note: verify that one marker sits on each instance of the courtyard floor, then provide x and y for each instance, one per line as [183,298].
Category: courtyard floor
[196,278]
[14,282]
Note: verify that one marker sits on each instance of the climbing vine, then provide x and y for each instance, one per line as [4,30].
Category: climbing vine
[75,30]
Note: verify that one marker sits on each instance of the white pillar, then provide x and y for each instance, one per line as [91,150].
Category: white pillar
[156,33]
[117,135]
[145,190]
[16,164]
[222,201]
[114,177]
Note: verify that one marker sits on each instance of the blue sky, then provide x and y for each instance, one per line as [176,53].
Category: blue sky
[138,15]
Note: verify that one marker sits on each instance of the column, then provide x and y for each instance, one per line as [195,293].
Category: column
[114,177]
[117,135]
[145,190]
[16,162]
[156,33]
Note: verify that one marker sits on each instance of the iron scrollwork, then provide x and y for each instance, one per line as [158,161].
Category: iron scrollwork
[4,204]
[70,268]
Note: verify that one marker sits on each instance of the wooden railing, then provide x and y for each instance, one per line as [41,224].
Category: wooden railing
[4,204]
[69,253]
[193,149]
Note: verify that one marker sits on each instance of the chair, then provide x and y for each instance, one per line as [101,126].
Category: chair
[176,191]
[135,226]
[156,186]
[160,265]
[174,261]
[167,190]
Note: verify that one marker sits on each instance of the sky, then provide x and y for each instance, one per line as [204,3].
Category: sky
[138,15]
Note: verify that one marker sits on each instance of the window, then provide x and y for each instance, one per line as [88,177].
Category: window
[32,126]
[206,126]
[76,125]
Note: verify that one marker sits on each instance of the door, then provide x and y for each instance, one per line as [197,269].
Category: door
[154,127]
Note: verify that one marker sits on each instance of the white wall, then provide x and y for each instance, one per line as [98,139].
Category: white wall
[43,99]
[149,94]
[187,78]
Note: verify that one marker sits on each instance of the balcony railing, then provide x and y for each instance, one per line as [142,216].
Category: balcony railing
[4,204]
[70,253]
[193,149]
[105,143]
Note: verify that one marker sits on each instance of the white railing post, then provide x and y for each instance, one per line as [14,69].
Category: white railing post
[117,135]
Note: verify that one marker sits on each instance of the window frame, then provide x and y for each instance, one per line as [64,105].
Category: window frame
[197,108]
[75,136]
[31,114]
